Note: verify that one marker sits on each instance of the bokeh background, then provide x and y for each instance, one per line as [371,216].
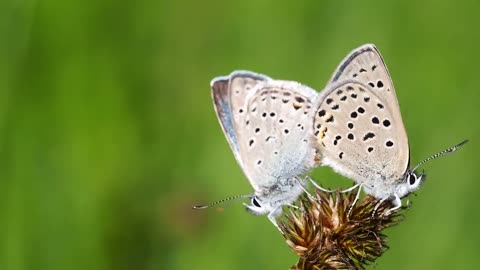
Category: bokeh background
[108,134]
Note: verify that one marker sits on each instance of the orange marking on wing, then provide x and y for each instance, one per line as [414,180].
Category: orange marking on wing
[328,117]
[297,105]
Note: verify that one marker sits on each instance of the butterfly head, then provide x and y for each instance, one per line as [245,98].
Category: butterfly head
[412,180]
[410,183]
[257,206]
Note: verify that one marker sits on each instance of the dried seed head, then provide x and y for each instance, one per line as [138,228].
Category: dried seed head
[325,236]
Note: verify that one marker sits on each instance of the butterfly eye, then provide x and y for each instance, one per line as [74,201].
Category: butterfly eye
[255,202]
[411,179]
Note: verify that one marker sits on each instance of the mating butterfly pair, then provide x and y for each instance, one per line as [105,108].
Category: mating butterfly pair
[280,130]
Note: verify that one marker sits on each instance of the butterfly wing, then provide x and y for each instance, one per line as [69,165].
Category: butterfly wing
[276,138]
[366,65]
[268,124]
[357,135]
[229,94]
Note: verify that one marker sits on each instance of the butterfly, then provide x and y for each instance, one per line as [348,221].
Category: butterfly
[269,126]
[359,129]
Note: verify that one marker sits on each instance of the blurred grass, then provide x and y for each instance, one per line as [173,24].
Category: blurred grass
[108,136]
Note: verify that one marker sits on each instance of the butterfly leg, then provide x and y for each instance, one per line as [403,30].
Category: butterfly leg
[357,196]
[378,205]
[304,189]
[317,186]
[397,202]
[272,216]
[293,206]
[350,188]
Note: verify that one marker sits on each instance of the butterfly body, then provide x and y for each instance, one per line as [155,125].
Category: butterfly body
[268,124]
[359,128]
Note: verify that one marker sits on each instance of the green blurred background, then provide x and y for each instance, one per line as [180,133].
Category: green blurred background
[108,134]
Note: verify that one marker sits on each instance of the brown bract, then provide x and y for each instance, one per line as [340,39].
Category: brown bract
[326,236]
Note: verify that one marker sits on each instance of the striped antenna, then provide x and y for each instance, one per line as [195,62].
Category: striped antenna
[442,153]
[222,201]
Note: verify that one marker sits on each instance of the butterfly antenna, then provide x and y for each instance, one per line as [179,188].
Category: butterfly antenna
[442,153]
[222,201]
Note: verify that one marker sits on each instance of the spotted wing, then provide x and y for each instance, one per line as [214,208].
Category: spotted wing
[366,65]
[276,136]
[359,134]
[229,94]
